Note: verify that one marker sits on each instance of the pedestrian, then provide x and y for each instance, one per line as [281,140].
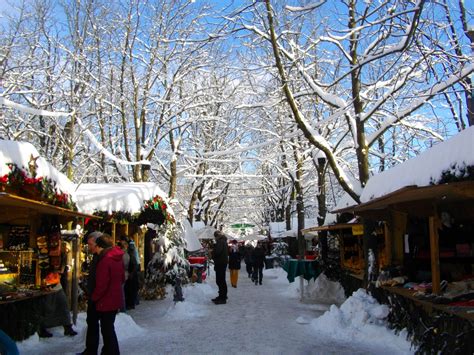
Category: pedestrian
[126,261]
[235,259]
[107,295]
[131,273]
[258,257]
[92,318]
[248,259]
[220,257]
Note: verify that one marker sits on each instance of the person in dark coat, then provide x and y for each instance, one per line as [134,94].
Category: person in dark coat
[220,257]
[107,295]
[131,274]
[235,259]
[258,257]
[248,260]
[92,320]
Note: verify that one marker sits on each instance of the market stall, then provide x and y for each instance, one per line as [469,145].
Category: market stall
[428,214]
[37,206]
[349,242]
[124,210]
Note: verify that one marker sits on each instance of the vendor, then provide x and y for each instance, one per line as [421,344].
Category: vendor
[55,311]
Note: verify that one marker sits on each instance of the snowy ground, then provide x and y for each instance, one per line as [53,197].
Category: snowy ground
[267,319]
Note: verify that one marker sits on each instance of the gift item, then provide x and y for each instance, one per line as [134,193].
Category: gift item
[43,252]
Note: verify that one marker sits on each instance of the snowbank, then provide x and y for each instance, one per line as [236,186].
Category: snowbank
[324,291]
[361,319]
[196,297]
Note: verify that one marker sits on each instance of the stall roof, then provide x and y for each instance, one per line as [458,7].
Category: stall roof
[415,179]
[452,155]
[436,194]
[8,200]
[330,227]
[22,153]
[124,197]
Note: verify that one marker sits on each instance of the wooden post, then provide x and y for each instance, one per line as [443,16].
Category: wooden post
[323,244]
[114,227]
[434,248]
[75,278]
[388,243]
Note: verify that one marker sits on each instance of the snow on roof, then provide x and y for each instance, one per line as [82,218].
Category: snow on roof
[20,153]
[425,168]
[346,200]
[124,197]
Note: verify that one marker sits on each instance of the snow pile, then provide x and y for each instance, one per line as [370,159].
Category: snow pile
[196,298]
[361,319]
[288,290]
[126,328]
[324,291]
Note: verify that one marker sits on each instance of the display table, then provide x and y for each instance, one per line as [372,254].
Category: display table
[299,267]
[21,316]
[197,259]
[304,269]
[197,266]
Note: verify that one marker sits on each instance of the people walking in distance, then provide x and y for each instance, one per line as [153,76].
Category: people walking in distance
[220,257]
[258,257]
[248,259]
[235,259]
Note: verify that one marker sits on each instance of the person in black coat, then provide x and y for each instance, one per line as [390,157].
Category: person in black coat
[221,258]
[248,259]
[258,257]
[235,259]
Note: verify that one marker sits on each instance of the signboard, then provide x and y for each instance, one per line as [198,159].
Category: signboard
[358,230]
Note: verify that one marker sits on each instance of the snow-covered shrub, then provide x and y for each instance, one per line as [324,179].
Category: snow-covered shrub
[168,263]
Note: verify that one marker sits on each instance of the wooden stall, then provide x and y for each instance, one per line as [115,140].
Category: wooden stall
[121,206]
[35,237]
[414,224]
[347,240]
[426,205]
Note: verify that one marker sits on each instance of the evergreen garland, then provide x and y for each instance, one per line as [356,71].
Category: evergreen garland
[455,173]
[115,216]
[28,185]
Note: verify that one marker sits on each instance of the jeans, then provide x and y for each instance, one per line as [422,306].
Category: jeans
[92,335]
[107,320]
[257,274]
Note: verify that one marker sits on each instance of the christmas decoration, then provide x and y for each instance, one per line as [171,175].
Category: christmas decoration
[23,181]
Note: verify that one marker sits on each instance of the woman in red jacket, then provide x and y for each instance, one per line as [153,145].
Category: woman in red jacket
[107,295]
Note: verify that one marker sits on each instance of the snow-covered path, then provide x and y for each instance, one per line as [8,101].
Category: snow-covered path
[267,319]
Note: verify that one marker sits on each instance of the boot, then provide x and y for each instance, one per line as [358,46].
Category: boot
[220,301]
[69,331]
[43,333]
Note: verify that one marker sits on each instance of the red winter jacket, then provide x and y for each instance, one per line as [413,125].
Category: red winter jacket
[110,275]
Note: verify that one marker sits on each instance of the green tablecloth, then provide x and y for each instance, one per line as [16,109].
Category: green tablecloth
[306,268]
